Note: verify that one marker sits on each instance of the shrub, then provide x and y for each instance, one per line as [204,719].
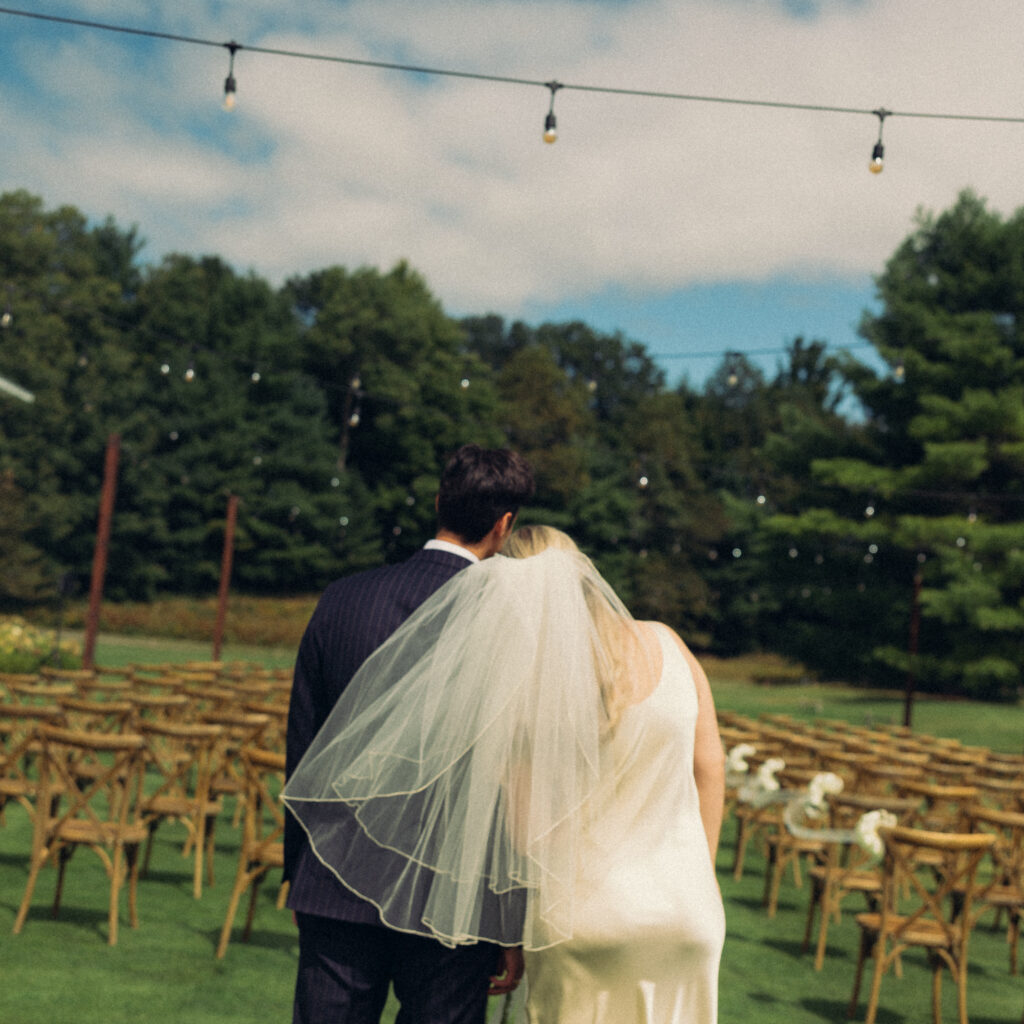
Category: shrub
[23,647]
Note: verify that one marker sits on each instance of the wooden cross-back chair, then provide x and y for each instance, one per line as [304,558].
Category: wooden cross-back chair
[19,748]
[180,760]
[929,909]
[262,847]
[1004,890]
[241,729]
[845,867]
[101,811]
[785,848]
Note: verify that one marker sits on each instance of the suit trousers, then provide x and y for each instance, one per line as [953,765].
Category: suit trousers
[345,970]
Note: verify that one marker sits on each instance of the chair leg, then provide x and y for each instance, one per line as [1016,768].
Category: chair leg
[772,878]
[241,884]
[208,834]
[937,994]
[198,829]
[63,856]
[257,881]
[26,901]
[1013,937]
[149,846]
[826,914]
[282,895]
[876,981]
[814,902]
[858,974]
[116,878]
[742,838]
[132,855]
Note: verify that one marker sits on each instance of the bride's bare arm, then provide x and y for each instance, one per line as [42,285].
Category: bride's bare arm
[708,755]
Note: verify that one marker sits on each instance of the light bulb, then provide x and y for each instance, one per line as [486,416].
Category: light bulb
[877,159]
[550,133]
[229,93]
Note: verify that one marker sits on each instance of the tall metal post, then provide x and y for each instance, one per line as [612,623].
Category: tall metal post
[225,574]
[99,559]
[915,626]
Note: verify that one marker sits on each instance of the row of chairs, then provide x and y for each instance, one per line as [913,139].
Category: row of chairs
[957,847]
[100,760]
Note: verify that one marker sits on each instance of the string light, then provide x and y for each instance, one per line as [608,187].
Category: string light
[229,82]
[878,153]
[551,122]
[880,113]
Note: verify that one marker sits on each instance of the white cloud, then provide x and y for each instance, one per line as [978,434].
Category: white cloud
[328,163]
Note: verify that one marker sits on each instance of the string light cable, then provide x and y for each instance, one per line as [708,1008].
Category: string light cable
[230,85]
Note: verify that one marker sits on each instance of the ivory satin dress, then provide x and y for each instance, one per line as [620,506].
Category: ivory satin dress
[649,924]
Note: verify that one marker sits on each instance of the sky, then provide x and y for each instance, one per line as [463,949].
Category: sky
[692,227]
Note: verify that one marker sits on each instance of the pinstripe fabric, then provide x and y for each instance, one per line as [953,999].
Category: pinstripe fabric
[354,617]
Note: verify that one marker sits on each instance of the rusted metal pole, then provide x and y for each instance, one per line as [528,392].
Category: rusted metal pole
[915,627]
[225,574]
[99,558]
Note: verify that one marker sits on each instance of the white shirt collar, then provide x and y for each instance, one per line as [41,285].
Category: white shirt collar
[453,549]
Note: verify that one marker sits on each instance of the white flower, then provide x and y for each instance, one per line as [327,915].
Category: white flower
[736,759]
[866,835]
[758,789]
[823,784]
[766,773]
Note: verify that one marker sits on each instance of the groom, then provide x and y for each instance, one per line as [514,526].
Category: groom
[347,958]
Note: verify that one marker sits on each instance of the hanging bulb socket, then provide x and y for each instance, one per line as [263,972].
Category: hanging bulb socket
[550,121]
[550,128]
[230,85]
[877,162]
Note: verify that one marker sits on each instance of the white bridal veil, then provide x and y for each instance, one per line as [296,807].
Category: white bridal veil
[450,784]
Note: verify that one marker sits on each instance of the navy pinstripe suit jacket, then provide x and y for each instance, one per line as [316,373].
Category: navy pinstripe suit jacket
[354,617]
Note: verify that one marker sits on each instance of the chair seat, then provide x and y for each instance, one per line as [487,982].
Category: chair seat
[794,845]
[17,787]
[174,806]
[919,933]
[1005,896]
[271,854]
[98,832]
[854,881]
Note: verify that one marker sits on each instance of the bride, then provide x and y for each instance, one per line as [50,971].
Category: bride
[522,762]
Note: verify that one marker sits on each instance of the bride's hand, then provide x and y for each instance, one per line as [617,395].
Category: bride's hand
[510,972]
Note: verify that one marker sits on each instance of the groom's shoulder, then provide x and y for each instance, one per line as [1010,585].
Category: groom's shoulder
[424,568]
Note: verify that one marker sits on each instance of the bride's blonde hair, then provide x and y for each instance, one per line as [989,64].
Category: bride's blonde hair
[620,652]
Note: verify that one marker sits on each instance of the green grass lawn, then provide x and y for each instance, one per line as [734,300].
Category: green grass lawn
[165,971]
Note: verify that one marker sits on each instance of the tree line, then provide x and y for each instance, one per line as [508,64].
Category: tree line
[868,523]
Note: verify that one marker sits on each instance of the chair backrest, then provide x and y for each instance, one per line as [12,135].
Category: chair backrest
[1007,852]
[106,795]
[180,755]
[40,692]
[90,715]
[159,707]
[19,747]
[944,807]
[933,898]
[263,826]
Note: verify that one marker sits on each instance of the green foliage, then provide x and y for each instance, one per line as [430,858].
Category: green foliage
[939,475]
[24,647]
[790,511]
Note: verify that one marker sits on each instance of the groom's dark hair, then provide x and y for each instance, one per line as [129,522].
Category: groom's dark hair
[478,486]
